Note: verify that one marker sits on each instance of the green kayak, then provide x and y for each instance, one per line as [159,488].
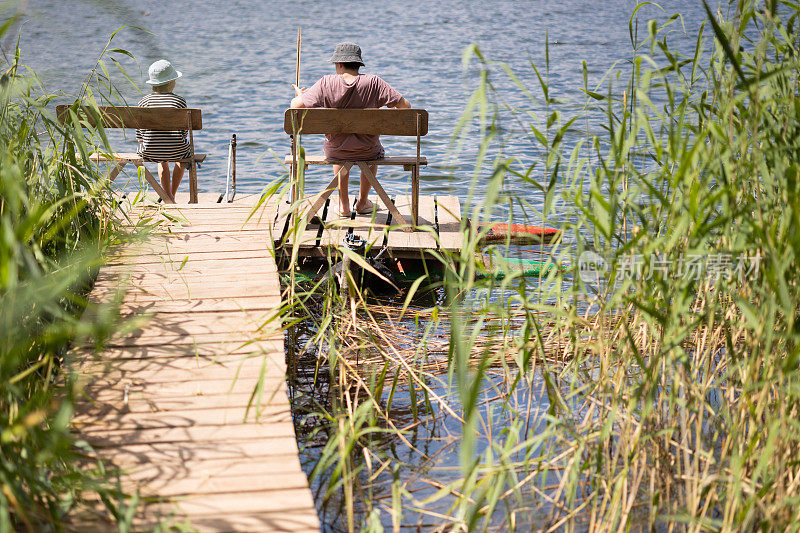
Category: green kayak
[500,267]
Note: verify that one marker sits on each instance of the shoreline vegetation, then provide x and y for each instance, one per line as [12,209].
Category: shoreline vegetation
[647,383]
[58,224]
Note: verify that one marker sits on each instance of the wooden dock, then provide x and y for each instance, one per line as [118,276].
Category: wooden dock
[174,402]
[440,217]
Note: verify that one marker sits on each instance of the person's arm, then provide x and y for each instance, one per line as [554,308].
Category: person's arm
[297,101]
[390,96]
[401,104]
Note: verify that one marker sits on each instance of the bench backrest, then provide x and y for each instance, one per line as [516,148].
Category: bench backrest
[147,118]
[407,122]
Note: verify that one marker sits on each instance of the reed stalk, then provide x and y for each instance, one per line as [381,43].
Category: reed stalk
[656,391]
[58,222]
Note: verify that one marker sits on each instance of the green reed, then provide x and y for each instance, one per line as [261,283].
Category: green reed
[56,226]
[659,392]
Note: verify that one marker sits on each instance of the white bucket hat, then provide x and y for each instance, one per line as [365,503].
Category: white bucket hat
[162,72]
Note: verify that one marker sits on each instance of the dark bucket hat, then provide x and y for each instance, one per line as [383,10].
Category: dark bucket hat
[347,53]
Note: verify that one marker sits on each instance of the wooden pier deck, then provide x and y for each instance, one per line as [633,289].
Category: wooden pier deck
[172,403]
[439,215]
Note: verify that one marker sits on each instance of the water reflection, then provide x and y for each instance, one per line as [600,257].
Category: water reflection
[408,450]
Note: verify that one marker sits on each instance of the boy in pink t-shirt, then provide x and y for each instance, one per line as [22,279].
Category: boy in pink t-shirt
[347,89]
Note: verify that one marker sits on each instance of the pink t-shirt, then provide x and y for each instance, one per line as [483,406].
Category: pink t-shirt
[366,91]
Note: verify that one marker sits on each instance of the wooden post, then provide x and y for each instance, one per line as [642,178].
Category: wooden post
[293,170]
[192,165]
[295,173]
[415,181]
[297,191]
[299,182]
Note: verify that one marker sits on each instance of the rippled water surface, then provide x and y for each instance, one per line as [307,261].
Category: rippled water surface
[238,60]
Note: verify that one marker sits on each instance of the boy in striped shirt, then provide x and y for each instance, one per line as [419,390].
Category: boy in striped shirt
[164,146]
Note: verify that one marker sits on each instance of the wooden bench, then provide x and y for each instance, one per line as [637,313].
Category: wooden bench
[404,122]
[148,118]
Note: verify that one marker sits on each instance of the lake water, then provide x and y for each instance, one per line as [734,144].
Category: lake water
[238,61]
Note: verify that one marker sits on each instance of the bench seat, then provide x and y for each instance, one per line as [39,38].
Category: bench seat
[133,158]
[393,160]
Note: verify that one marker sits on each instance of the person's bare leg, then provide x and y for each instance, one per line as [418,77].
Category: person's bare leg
[177,176]
[363,203]
[344,195]
[164,176]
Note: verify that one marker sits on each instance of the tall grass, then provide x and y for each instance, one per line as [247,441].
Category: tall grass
[56,225]
[655,390]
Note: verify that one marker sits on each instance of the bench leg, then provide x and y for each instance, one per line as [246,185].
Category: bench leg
[296,192]
[117,169]
[415,195]
[325,194]
[294,183]
[383,196]
[155,184]
[193,182]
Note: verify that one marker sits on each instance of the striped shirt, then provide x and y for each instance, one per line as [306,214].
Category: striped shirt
[163,145]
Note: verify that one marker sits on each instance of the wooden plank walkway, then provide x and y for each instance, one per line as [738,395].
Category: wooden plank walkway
[171,402]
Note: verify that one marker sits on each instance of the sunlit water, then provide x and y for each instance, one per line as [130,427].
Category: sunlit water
[238,61]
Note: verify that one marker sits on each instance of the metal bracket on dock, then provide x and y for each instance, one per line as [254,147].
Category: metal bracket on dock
[230,180]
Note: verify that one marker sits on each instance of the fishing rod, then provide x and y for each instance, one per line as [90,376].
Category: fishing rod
[230,178]
[295,141]
[297,64]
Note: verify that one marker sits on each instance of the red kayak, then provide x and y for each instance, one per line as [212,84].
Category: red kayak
[519,234]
